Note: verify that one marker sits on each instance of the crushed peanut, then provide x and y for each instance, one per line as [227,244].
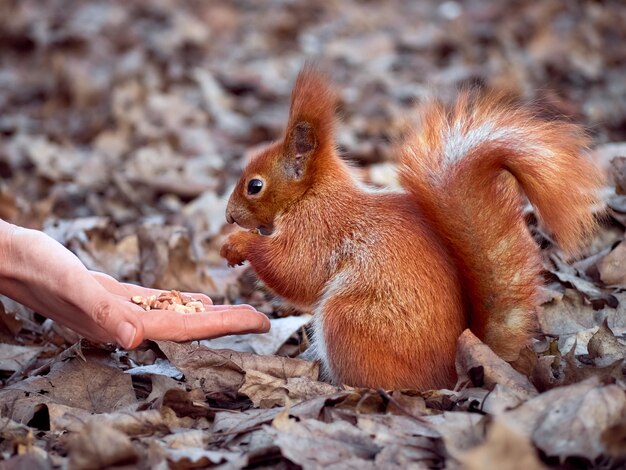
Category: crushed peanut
[172,300]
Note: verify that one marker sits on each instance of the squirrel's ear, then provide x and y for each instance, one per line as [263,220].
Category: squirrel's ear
[311,122]
[301,143]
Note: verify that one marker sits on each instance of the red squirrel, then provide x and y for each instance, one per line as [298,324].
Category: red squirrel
[394,277]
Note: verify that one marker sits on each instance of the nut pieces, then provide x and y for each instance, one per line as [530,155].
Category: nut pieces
[172,300]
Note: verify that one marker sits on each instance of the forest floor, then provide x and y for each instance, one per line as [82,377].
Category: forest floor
[123,128]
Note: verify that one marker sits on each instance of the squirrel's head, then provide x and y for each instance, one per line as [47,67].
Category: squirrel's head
[280,174]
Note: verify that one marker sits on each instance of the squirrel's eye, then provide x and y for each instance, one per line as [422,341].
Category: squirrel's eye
[254,186]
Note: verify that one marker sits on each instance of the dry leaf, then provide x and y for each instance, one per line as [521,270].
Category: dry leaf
[222,371]
[604,343]
[313,444]
[511,451]
[98,446]
[568,421]
[89,386]
[568,315]
[13,357]
[267,391]
[471,353]
[613,267]
[460,431]
[269,343]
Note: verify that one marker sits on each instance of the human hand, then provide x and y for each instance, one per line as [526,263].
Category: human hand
[40,273]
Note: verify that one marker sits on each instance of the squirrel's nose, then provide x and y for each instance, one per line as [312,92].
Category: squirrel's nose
[229,218]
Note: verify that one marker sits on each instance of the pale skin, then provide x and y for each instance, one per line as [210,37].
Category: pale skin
[38,272]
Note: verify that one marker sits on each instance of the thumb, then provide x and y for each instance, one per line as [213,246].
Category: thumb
[119,321]
[126,334]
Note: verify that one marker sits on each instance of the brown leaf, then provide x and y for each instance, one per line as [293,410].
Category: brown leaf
[10,324]
[222,371]
[568,421]
[239,423]
[499,400]
[403,403]
[267,391]
[98,445]
[89,385]
[404,441]
[584,286]
[612,156]
[460,431]
[568,315]
[604,344]
[186,403]
[131,423]
[613,266]
[14,357]
[314,444]
[511,451]
[472,353]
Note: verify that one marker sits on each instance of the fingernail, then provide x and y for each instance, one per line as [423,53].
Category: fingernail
[126,334]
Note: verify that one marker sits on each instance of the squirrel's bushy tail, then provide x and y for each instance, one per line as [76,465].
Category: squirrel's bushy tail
[467,167]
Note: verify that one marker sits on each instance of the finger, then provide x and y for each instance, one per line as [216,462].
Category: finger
[119,318]
[129,290]
[174,326]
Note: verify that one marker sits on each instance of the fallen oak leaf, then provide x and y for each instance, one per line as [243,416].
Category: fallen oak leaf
[100,445]
[222,371]
[511,451]
[604,344]
[314,444]
[131,423]
[185,403]
[568,421]
[570,371]
[89,385]
[585,287]
[459,430]
[267,391]
[567,315]
[234,423]
[472,353]
[14,357]
[612,268]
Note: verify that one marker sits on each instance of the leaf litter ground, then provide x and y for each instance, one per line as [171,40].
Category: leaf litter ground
[124,127]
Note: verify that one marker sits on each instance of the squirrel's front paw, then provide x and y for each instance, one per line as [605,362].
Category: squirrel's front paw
[234,248]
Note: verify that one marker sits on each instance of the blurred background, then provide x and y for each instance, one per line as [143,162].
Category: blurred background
[125,124]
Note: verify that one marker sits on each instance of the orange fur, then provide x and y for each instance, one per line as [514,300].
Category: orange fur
[395,277]
[473,200]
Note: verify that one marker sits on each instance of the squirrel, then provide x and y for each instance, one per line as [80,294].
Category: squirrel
[394,277]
